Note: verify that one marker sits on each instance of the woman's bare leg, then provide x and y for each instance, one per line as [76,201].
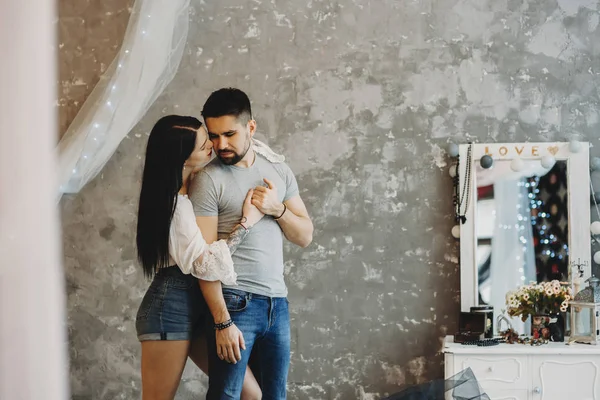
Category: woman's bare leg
[162,365]
[199,355]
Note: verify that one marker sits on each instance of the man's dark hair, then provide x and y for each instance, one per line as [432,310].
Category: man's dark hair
[228,101]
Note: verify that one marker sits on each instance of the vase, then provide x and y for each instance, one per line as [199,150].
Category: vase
[548,326]
[557,328]
[540,326]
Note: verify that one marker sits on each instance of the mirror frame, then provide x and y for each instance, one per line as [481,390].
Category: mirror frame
[578,189]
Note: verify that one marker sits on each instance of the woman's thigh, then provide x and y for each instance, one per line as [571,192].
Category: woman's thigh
[163,362]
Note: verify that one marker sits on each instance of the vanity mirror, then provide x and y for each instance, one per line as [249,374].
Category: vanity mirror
[524,217]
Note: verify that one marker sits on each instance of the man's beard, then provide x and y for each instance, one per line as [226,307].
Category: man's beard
[236,157]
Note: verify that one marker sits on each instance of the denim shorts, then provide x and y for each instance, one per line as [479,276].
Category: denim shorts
[173,308]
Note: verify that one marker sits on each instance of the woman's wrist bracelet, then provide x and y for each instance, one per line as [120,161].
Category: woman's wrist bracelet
[243,223]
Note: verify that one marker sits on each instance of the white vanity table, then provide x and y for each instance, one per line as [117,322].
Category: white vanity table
[553,371]
[490,266]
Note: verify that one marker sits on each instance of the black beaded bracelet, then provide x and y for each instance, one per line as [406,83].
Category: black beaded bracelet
[223,325]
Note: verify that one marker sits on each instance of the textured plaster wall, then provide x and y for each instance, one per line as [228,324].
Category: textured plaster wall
[362,97]
[90,33]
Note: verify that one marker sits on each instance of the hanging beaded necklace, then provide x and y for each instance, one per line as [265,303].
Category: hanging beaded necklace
[458,198]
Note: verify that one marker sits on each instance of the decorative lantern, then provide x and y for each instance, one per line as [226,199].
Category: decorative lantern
[585,314]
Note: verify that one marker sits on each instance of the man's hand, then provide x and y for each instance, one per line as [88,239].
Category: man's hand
[266,199]
[229,342]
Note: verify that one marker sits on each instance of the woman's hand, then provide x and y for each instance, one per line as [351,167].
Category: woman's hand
[251,214]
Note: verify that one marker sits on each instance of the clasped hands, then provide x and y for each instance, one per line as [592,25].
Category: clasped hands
[267,200]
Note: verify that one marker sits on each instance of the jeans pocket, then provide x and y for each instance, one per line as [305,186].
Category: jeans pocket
[153,298]
[181,283]
[235,302]
[146,305]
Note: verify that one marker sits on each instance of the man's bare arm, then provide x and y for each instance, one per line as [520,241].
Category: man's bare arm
[291,215]
[295,222]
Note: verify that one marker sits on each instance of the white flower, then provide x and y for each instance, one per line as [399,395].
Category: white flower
[526,296]
[556,289]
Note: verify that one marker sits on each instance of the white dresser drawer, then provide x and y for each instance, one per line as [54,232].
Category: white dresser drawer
[506,394]
[496,372]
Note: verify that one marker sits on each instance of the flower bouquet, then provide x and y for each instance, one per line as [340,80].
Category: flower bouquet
[544,302]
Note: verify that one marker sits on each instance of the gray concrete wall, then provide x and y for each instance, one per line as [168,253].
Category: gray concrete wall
[362,97]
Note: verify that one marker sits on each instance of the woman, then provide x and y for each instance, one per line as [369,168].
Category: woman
[173,252]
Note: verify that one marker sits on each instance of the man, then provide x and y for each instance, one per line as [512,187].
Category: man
[254,314]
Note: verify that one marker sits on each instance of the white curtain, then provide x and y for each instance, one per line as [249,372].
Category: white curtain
[513,256]
[148,60]
[33,353]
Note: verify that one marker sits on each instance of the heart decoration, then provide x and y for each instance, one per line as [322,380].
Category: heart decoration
[553,150]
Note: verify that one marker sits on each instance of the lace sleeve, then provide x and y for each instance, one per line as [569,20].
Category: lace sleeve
[215,264]
[192,254]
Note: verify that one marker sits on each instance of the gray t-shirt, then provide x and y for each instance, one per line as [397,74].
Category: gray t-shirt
[220,190]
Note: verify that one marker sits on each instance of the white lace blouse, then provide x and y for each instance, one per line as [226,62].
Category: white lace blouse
[189,250]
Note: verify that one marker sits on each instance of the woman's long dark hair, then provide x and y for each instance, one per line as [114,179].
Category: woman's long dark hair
[171,142]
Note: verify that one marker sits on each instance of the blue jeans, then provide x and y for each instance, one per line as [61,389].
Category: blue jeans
[265,324]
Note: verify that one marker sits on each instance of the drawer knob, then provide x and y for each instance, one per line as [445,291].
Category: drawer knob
[491,369]
[537,390]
